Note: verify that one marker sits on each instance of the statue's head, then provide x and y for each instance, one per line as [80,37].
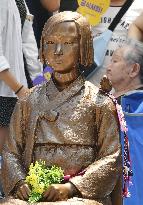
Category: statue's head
[66,42]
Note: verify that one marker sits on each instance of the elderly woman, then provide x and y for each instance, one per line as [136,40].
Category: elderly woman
[126,75]
[126,68]
[65,122]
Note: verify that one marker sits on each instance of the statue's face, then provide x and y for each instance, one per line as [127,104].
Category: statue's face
[61,47]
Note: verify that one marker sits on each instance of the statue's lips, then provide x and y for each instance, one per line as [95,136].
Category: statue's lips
[58,62]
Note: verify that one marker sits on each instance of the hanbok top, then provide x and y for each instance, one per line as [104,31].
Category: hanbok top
[76,129]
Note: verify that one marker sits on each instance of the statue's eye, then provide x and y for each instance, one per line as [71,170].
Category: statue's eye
[68,43]
[46,44]
[50,42]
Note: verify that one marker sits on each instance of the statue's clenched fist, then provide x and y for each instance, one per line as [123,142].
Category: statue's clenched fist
[23,192]
[59,192]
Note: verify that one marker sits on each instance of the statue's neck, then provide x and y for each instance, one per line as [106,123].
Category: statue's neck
[64,80]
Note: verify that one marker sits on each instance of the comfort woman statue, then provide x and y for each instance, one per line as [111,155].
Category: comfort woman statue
[66,122]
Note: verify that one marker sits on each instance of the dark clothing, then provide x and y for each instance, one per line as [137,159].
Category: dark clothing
[70,5]
[22,10]
[7,105]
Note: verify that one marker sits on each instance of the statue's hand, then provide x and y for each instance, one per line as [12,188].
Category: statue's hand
[59,192]
[23,192]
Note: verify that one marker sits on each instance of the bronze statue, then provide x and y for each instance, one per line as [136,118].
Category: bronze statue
[65,122]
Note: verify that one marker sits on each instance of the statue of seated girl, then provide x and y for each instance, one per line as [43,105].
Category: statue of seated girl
[65,122]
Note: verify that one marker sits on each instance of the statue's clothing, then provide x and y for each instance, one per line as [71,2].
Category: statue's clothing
[75,129]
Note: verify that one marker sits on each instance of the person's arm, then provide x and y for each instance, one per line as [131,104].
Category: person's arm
[100,177]
[51,6]
[11,81]
[136,28]
[5,74]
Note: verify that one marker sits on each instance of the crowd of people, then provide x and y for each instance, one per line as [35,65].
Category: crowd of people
[74,120]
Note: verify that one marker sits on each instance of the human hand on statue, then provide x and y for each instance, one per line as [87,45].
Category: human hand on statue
[59,192]
[23,192]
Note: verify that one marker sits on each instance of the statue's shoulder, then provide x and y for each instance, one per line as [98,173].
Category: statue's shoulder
[41,95]
[35,93]
[91,88]
[106,99]
[38,90]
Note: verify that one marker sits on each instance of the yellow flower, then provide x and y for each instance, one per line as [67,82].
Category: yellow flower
[32,179]
[40,177]
[39,188]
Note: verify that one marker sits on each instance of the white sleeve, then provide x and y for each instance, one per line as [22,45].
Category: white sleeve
[3,61]
[30,49]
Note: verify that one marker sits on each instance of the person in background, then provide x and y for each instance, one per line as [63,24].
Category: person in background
[16,40]
[126,68]
[42,11]
[126,74]
[51,5]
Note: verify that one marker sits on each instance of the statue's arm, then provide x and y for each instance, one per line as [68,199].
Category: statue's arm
[101,176]
[12,167]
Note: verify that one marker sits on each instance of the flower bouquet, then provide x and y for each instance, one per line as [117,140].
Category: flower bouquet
[40,177]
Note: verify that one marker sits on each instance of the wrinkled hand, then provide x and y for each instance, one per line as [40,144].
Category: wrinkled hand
[23,192]
[58,192]
[23,92]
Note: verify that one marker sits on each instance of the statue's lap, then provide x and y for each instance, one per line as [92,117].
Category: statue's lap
[69,202]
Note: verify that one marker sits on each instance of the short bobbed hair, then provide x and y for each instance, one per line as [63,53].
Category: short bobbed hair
[84,32]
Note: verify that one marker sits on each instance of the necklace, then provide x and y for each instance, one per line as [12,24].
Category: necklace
[62,81]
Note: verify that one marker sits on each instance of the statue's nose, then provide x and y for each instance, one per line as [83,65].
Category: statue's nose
[58,49]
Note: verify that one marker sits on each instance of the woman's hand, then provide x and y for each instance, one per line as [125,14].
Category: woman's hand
[23,192]
[59,192]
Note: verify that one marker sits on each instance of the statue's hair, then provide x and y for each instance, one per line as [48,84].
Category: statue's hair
[84,32]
